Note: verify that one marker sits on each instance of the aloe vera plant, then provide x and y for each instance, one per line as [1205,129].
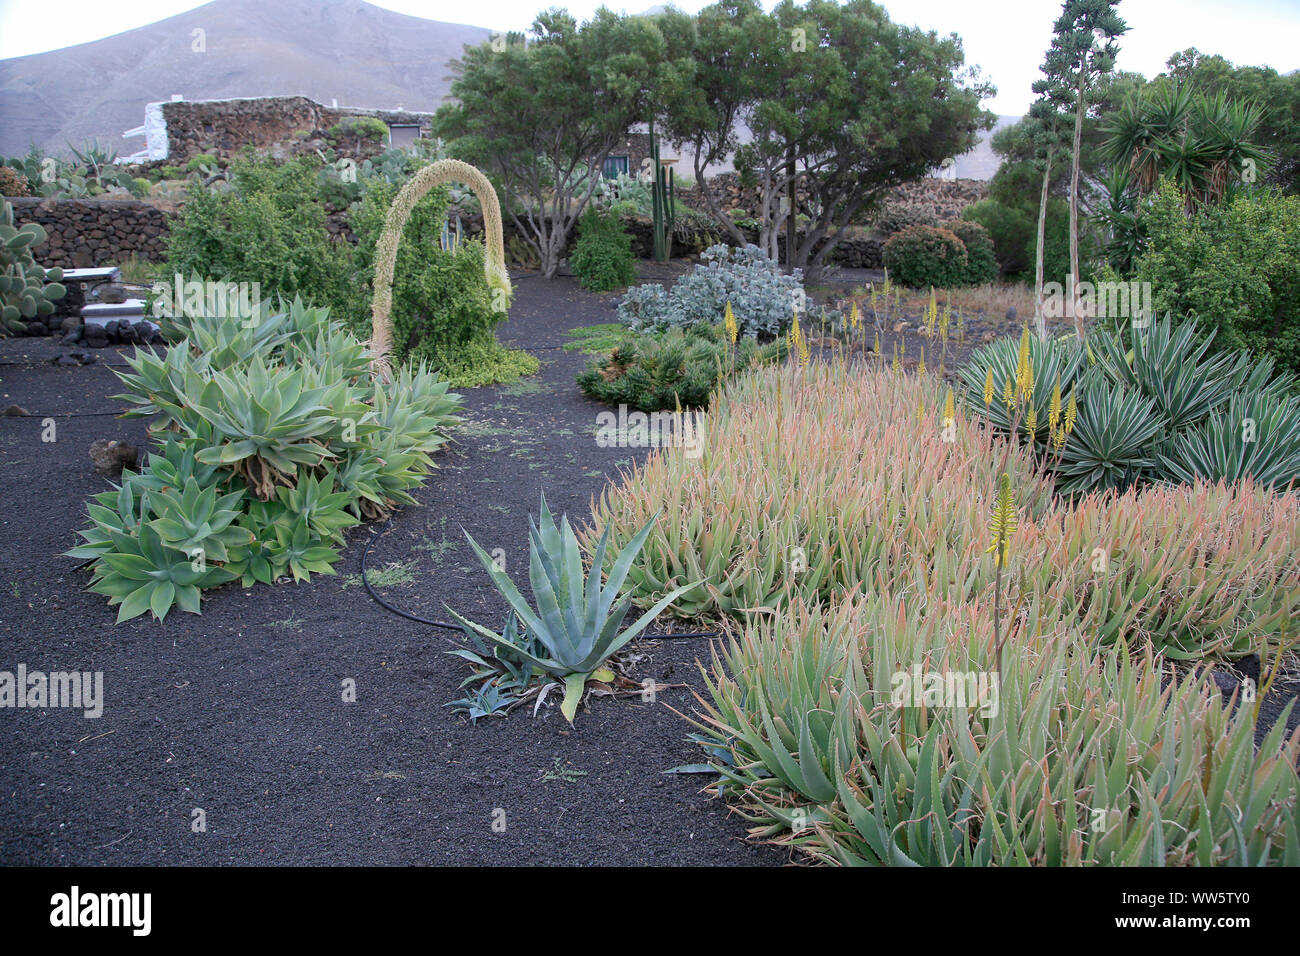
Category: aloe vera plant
[576,623]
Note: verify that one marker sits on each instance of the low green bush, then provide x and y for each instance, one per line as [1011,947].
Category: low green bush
[662,371]
[1012,232]
[923,256]
[1234,266]
[269,229]
[981,263]
[602,259]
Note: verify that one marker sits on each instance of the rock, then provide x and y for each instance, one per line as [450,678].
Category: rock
[67,361]
[70,323]
[1011,314]
[112,294]
[111,456]
[16,411]
[84,357]
[71,338]
[95,336]
[37,328]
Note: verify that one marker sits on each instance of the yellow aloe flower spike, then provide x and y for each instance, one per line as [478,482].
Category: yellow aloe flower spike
[988,387]
[1024,369]
[1054,409]
[729,320]
[1031,422]
[1009,393]
[877,343]
[1004,522]
[920,366]
[949,407]
[1071,414]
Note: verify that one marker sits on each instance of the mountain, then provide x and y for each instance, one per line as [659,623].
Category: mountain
[357,53]
[981,162]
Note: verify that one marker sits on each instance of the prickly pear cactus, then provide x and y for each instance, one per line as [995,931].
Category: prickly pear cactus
[27,290]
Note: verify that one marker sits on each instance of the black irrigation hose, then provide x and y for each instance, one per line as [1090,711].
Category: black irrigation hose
[365,554]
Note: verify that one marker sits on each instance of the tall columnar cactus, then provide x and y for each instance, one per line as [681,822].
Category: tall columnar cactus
[27,290]
[663,193]
[494,263]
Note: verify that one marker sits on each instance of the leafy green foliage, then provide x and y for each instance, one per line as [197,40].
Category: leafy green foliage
[274,441]
[268,229]
[981,263]
[923,256]
[602,259]
[660,371]
[1234,266]
[1010,228]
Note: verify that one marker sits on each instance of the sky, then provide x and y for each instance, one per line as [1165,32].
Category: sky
[1006,38]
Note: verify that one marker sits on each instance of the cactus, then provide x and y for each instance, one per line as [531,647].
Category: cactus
[663,192]
[26,289]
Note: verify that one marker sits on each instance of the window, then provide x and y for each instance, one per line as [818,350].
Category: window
[399,135]
[614,165]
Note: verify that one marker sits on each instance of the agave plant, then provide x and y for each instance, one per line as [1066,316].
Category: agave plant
[266,423]
[1110,446]
[1255,436]
[1168,365]
[141,573]
[577,625]
[1053,361]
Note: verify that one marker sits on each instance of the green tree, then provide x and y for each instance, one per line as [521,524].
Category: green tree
[1276,95]
[838,100]
[1083,49]
[541,116]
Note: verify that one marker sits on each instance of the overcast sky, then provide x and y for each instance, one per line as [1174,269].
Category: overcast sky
[1005,38]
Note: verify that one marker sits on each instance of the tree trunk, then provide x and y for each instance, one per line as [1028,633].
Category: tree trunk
[1040,322]
[790,224]
[1073,278]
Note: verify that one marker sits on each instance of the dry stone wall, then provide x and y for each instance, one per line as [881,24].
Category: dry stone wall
[88,233]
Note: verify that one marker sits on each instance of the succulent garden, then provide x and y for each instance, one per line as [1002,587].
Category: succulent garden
[475,475]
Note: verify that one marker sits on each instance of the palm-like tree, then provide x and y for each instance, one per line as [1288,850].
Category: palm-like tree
[1203,143]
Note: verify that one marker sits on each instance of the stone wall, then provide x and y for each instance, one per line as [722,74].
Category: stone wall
[279,125]
[940,198]
[89,233]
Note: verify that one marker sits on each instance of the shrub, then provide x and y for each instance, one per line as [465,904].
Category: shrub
[661,371]
[762,297]
[268,229]
[1011,229]
[361,127]
[897,216]
[196,163]
[1235,266]
[925,256]
[13,182]
[981,263]
[273,440]
[442,305]
[172,172]
[602,259]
